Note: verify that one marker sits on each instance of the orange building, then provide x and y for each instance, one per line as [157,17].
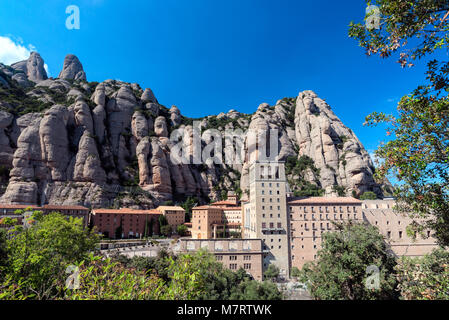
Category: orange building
[203,220]
[175,215]
[126,223]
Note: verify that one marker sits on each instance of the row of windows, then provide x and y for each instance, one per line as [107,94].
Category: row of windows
[271,215]
[326,217]
[268,173]
[305,209]
[271,200]
[388,223]
[246,266]
[293,257]
[271,207]
[270,184]
[270,192]
[302,246]
[264,225]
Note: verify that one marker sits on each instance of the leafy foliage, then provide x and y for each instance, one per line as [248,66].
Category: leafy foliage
[295,272]
[295,169]
[418,148]
[17,102]
[198,276]
[182,230]
[339,273]
[424,278]
[414,28]
[272,272]
[39,255]
[368,195]
[3,253]
[102,279]
[188,205]
[419,151]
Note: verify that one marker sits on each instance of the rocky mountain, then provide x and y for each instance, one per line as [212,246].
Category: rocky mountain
[68,141]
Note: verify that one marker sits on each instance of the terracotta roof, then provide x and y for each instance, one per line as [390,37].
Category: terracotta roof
[326,200]
[205,207]
[231,208]
[223,202]
[125,211]
[172,208]
[56,207]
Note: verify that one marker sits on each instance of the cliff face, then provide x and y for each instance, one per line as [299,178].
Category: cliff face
[68,141]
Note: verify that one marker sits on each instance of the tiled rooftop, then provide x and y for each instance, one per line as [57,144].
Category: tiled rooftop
[125,211]
[326,200]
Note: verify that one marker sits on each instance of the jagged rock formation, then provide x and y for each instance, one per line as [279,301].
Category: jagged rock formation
[72,69]
[33,68]
[67,141]
[308,128]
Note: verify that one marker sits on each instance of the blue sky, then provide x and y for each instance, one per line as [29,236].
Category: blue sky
[209,56]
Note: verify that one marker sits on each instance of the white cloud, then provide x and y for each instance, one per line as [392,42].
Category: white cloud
[46,69]
[13,50]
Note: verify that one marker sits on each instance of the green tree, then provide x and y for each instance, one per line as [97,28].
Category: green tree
[182,230]
[119,231]
[149,228]
[424,278]
[188,205]
[418,147]
[368,195]
[166,230]
[295,272]
[272,272]
[163,220]
[254,290]
[418,154]
[164,227]
[103,279]
[224,195]
[211,281]
[40,254]
[411,29]
[3,253]
[340,271]
[187,281]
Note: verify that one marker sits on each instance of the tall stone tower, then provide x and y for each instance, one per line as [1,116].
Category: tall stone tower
[265,214]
